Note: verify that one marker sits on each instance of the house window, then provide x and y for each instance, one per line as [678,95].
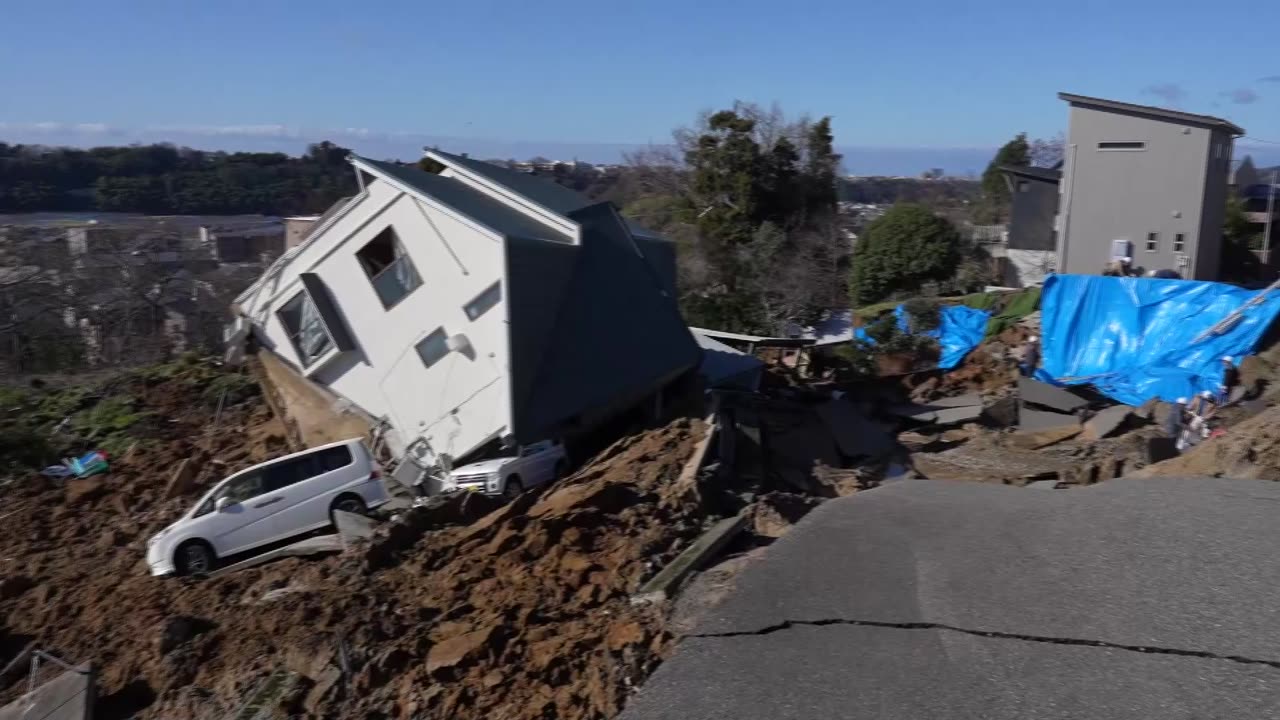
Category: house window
[1122,145]
[388,267]
[1179,242]
[1153,242]
[305,328]
[433,347]
[485,300]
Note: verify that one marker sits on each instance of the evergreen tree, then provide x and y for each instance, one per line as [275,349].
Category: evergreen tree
[995,191]
[820,169]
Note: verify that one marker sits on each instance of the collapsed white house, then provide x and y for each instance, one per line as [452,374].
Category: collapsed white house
[474,304]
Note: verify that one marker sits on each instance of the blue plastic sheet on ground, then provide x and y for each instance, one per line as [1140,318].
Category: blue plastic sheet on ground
[1131,338]
[959,331]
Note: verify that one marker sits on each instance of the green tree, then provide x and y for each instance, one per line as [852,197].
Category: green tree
[726,169]
[995,191]
[820,169]
[901,251]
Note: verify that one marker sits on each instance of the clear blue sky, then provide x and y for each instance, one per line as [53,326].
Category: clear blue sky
[587,77]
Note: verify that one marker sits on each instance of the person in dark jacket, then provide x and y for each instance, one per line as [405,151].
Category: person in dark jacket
[1173,421]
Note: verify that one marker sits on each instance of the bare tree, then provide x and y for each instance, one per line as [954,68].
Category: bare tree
[1048,153]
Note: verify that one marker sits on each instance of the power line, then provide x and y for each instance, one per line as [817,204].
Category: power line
[1254,139]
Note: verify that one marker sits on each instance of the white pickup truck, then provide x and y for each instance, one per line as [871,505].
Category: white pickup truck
[533,465]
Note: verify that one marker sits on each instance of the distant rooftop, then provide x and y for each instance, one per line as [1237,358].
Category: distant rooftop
[1038,173]
[1153,112]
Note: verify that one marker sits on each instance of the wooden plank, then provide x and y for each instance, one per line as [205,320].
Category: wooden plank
[663,585]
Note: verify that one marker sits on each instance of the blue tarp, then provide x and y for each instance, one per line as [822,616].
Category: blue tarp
[1131,338]
[960,330]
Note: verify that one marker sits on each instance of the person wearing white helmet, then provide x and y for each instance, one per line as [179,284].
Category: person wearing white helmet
[1174,420]
[1030,356]
[1230,379]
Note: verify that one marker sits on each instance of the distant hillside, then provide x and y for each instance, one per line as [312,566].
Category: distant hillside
[164,179]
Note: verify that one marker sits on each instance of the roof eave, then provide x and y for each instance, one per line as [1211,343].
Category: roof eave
[1153,111]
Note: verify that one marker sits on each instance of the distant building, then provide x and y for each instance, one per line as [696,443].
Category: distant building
[1030,251]
[1146,183]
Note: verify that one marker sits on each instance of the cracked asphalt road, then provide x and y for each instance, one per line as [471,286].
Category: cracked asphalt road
[1150,598]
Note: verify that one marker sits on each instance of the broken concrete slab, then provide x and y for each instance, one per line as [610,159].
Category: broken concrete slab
[1044,438]
[1038,393]
[956,415]
[1106,422]
[1043,485]
[913,411]
[1032,420]
[353,528]
[69,696]
[664,584]
[855,434]
[965,400]
[310,546]
[1002,412]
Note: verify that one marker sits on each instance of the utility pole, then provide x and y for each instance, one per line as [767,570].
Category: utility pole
[1266,234]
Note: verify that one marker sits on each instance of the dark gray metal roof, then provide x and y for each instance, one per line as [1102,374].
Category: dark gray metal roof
[485,210]
[593,326]
[547,193]
[1150,111]
[1035,173]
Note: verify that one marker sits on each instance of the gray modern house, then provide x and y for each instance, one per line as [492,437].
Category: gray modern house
[1143,182]
[1031,250]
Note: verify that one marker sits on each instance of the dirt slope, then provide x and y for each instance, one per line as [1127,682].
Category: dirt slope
[523,614]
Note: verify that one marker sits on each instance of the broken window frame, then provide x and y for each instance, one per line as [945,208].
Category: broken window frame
[311,339]
[394,281]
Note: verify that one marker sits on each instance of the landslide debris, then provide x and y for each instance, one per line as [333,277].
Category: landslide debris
[462,610]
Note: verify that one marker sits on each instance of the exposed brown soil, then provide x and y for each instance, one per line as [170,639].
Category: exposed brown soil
[1248,450]
[524,613]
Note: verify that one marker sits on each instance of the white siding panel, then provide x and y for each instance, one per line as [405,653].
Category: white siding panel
[385,377]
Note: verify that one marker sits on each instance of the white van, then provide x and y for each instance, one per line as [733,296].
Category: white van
[268,503]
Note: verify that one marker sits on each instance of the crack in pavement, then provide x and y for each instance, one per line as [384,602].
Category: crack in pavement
[1151,650]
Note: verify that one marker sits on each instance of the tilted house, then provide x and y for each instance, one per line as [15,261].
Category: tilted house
[474,304]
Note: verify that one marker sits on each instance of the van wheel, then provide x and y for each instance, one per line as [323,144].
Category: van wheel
[349,503]
[195,557]
[513,488]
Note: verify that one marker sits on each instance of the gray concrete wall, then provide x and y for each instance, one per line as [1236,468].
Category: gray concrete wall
[1126,194]
[1216,188]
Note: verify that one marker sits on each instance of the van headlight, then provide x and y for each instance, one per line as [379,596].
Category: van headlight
[492,480]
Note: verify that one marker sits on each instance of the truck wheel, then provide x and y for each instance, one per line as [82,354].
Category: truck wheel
[513,488]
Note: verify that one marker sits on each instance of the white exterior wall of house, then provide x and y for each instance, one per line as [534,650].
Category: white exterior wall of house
[1030,267]
[460,401]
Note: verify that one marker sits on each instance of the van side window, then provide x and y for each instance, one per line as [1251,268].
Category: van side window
[283,474]
[245,487]
[334,458]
